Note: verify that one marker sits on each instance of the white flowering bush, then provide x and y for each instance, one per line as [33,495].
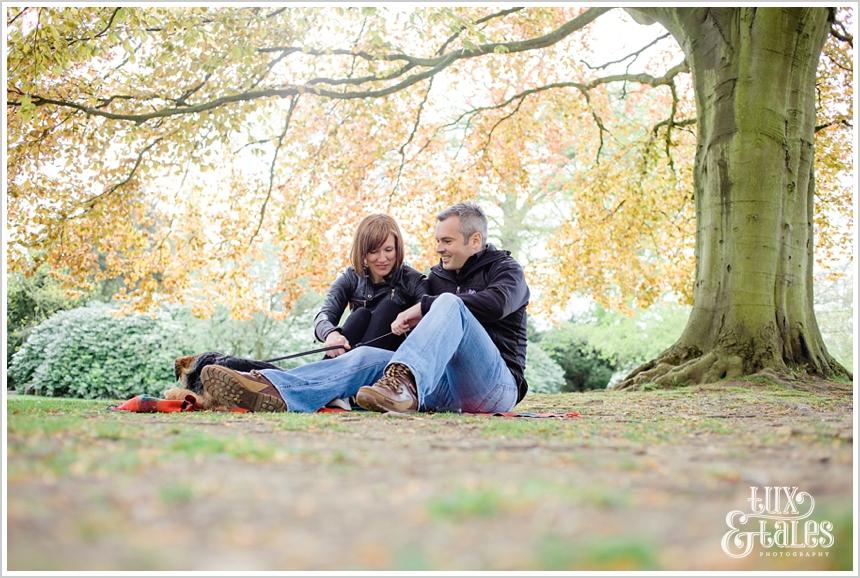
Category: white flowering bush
[92,352]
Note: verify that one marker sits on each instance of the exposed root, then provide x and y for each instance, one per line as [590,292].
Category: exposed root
[680,366]
[704,368]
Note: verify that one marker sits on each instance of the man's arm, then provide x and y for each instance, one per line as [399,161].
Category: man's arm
[407,320]
[505,293]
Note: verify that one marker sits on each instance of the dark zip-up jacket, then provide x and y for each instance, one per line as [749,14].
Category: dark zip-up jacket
[493,287]
[404,285]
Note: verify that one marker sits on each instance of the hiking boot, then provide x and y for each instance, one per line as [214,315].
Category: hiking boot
[250,391]
[395,391]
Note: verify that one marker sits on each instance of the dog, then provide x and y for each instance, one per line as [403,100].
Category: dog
[187,372]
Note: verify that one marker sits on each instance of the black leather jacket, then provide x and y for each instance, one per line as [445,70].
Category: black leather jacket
[493,287]
[405,285]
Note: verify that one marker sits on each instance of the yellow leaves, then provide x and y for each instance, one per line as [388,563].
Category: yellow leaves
[834,178]
[182,227]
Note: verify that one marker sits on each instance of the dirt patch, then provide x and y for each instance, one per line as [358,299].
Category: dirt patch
[642,480]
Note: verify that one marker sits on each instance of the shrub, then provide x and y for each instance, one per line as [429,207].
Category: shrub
[583,366]
[542,373]
[29,301]
[92,352]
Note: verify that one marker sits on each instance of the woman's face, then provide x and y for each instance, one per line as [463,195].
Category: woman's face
[381,260]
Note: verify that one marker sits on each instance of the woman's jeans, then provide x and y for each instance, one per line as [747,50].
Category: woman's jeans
[455,363]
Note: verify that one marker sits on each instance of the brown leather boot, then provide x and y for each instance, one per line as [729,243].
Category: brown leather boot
[395,391]
[251,390]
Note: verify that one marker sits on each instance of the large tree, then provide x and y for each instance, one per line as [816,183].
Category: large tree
[754,72]
[129,92]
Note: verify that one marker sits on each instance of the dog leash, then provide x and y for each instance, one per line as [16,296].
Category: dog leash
[329,348]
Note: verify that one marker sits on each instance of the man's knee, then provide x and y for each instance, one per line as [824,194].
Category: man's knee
[447,300]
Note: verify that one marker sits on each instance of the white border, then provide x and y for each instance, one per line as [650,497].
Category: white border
[3,287]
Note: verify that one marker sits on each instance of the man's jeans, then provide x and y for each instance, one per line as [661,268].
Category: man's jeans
[455,363]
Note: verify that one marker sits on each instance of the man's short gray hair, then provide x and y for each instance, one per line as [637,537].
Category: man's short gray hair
[472,220]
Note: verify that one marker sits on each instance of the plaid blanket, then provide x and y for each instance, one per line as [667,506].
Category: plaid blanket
[149,404]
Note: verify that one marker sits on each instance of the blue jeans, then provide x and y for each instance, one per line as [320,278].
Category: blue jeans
[309,387]
[455,363]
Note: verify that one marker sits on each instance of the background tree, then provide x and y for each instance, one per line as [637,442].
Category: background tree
[152,102]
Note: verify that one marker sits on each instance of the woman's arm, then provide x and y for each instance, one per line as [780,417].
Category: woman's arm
[334,304]
[416,285]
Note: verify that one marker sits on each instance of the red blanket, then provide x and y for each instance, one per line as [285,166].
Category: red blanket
[149,404]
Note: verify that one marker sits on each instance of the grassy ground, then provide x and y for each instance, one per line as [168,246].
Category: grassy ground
[641,481]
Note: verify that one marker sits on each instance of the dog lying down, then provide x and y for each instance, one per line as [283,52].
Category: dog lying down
[187,371]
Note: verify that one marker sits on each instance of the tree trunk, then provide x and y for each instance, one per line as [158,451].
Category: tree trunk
[754,75]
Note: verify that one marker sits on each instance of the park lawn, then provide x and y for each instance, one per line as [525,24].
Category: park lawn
[640,481]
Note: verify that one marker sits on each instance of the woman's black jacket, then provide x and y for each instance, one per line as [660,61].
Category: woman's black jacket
[405,286]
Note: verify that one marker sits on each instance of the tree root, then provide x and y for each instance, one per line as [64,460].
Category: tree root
[670,371]
[680,366]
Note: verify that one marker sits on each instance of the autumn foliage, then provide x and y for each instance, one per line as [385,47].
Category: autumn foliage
[225,155]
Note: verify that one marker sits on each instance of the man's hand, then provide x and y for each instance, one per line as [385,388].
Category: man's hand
[336,338]
[406,320]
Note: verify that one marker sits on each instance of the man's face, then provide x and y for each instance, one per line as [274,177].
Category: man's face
[452,248]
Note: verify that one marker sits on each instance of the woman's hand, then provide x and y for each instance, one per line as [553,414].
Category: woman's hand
[336,338]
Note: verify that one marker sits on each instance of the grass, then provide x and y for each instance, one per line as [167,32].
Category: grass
[500,498]
[174,493]
[444,489]
[554,552]
[310,422]
[241,448]
[466,503]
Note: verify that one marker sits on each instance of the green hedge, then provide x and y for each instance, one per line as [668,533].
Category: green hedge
[92,352]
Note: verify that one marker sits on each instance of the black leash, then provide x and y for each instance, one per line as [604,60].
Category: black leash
[322,349]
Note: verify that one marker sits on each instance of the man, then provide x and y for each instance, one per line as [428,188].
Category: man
[465,352]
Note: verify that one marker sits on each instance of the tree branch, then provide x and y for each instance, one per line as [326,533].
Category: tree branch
[90,203]
[500,14]
[837,121]
[72,41]
[14,18]
[402,149]
[582,87]
[500,121]
[354,44]
[842,34]
[293,103]
[836,62]
[599,122]
[635,55]
[682,122]
[435,65]
[182,100]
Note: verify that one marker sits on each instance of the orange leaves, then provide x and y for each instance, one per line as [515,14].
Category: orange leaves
[834,178]
[181,223]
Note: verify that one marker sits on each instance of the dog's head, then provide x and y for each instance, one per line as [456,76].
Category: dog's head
[182,367]
[187,369]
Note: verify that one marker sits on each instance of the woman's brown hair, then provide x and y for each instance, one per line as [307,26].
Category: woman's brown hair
[371,234]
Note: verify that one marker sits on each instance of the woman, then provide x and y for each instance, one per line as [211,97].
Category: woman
[376,287]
